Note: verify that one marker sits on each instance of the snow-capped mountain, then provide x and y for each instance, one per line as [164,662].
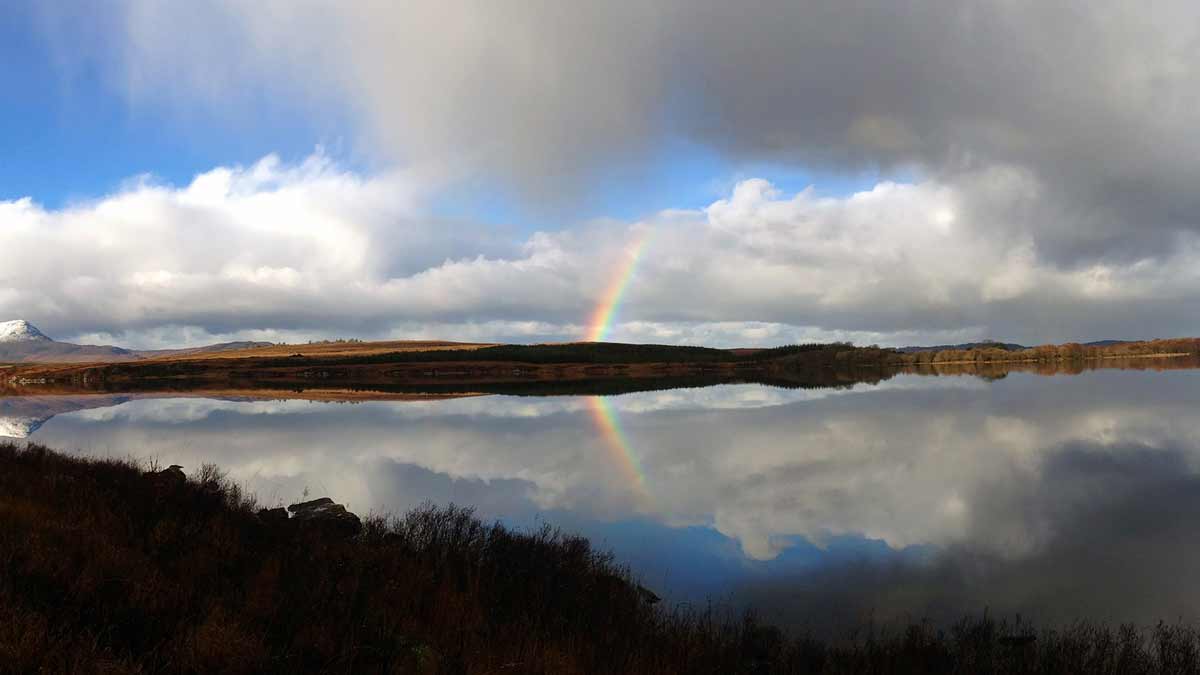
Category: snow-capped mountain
[22,342]
[21,331]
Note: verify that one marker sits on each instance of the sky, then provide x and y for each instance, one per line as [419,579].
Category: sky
[888,173]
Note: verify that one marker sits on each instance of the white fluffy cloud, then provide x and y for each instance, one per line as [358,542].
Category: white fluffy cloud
[273,251]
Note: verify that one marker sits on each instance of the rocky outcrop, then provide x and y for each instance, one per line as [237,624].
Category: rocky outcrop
[170,478]
[273,516]
[326,516]
[320,516]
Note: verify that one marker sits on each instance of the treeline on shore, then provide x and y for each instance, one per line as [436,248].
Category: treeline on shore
[808,354]
[108,567]
[1068,352]
[586,352]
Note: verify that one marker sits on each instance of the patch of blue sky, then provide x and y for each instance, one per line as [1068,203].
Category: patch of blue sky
[682,175]
[67,133]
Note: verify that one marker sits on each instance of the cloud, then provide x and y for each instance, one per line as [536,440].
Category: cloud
[311,250]
[1095,102]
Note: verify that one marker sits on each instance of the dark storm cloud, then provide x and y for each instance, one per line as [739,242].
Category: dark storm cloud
[1096,100]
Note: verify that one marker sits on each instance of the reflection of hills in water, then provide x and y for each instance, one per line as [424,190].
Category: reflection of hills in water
[20,416]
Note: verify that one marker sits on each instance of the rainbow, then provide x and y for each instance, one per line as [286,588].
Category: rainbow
[605,416]
[601,323]
[609,424]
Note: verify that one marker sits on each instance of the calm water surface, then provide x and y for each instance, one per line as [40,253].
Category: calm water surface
[1058,497]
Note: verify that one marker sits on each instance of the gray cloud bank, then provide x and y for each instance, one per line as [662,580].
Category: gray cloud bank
[1052,146]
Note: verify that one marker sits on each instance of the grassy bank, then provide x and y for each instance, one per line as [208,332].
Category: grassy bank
[106,567]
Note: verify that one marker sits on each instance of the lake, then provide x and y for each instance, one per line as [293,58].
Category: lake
[1061,498]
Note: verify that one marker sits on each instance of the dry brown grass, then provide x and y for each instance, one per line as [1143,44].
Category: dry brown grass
[330,349]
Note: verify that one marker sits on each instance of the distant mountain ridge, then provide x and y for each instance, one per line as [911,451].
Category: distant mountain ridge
[22,342]
[992,344]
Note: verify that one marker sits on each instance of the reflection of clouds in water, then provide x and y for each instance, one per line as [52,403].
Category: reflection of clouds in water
[184,410]
[720,397]
[404,486]
[1016,480]
[1113,540]
[910,470]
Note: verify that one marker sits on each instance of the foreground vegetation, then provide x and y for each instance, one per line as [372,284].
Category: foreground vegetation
[105,567]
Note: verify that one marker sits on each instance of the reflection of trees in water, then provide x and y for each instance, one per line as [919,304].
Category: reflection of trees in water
[998,370]
[786,378]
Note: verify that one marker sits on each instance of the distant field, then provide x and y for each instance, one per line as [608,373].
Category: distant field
[329,349]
